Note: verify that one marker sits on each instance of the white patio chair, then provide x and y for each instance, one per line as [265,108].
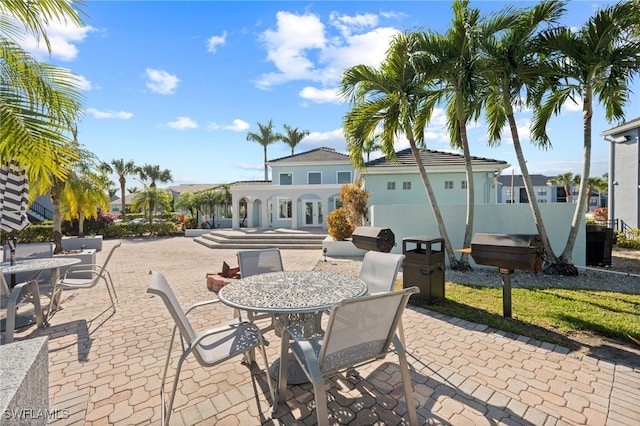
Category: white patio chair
[379,271]
[360,331]
[96,274]
[9,300]
[209,347]
[259,261]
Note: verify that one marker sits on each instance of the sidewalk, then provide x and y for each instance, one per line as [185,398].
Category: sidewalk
[105,368]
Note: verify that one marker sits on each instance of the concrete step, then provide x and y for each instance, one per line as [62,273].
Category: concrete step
[258,240]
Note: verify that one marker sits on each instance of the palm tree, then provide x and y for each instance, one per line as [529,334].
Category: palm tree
[154,174]
[187,201]
[390,97]
[150,198]
[293,137]
[38,102]
[599,61]
[565,180]
[512,70]
[265,137]
[122,169]
[85,195]
[371,145]
[596,183]
[454,61]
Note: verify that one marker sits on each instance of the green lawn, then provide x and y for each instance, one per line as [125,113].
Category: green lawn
[550,315]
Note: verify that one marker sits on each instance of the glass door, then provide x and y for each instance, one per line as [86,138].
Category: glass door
[313,214]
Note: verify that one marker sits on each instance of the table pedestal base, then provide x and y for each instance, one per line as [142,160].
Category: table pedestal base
[295,375]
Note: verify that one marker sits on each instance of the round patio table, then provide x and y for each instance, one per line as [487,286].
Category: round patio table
[292,297]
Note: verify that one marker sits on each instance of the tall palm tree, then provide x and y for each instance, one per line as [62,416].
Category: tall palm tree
[512,70]
[454,61]
[390,97]
[293,136]
[264,137]
[123,168]
[153,174]
[598,61]
[38,102]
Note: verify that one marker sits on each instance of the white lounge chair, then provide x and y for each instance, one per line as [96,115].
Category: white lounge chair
[359,331]
[96,273]
[379,271]
[210,347]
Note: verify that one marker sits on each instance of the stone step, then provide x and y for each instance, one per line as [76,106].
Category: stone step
[245,245]
[258,240]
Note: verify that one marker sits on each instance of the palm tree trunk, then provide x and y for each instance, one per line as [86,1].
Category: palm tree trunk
[468,232]
[578,216]
[56,191]
[549,255]
[123,212]
[266,171]
[453,262]
[81,224]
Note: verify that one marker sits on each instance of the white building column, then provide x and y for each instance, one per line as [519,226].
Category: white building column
[249,222]
[235,212]
[265,213]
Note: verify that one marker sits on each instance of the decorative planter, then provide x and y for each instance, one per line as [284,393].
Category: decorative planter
[341,248]
[87,257]
[79,243]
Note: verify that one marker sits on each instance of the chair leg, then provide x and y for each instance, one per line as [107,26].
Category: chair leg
[113,304]
[165,415]
[322,412]
[406,378]
[113,287]
[266,370]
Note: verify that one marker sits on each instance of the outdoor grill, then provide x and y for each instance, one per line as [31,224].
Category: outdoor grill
[508,252]
[373,238]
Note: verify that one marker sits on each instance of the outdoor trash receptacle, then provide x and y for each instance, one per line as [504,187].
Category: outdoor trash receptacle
[423,267]
[599,245]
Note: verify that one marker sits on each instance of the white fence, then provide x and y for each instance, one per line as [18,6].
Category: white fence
[414,220]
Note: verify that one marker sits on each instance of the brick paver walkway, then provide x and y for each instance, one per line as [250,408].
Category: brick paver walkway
[104,368]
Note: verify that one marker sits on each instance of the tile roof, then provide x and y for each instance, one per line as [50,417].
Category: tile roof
[315,155]
[536,180]
[432,158]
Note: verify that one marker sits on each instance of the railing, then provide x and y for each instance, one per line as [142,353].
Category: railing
[41,210]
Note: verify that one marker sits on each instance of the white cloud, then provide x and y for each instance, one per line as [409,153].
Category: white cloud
[573,105]
[182,123]
[301,47]
[215,41]
[122,115]
[236,126]
[321,96]
[331,139]
[161,81]
[63,37]
[84,83]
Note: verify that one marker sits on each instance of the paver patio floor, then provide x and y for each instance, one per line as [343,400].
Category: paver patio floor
[105,367]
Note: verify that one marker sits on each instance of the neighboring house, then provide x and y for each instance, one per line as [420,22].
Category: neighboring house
[304,189]
[398,182]
[624,174]
[511,189]
[116,204]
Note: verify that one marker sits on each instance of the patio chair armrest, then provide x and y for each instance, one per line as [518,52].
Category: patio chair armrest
[76,270]
[221,329]
[200,304]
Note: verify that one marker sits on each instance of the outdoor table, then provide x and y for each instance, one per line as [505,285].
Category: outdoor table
[292,297]
[37,265]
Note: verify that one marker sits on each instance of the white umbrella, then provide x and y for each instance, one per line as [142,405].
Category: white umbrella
[14,197]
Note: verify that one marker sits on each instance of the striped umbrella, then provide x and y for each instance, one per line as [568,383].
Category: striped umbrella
[14,196]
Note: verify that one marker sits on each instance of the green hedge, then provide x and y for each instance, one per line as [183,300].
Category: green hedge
[44,233]
[631,241]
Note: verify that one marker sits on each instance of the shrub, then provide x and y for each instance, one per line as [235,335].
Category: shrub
[354,199]
[340,228]
[631,241]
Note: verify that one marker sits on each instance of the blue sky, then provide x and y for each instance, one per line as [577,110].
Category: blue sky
[180,84]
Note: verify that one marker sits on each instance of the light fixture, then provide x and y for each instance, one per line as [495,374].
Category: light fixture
[621,139]
[324,253]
